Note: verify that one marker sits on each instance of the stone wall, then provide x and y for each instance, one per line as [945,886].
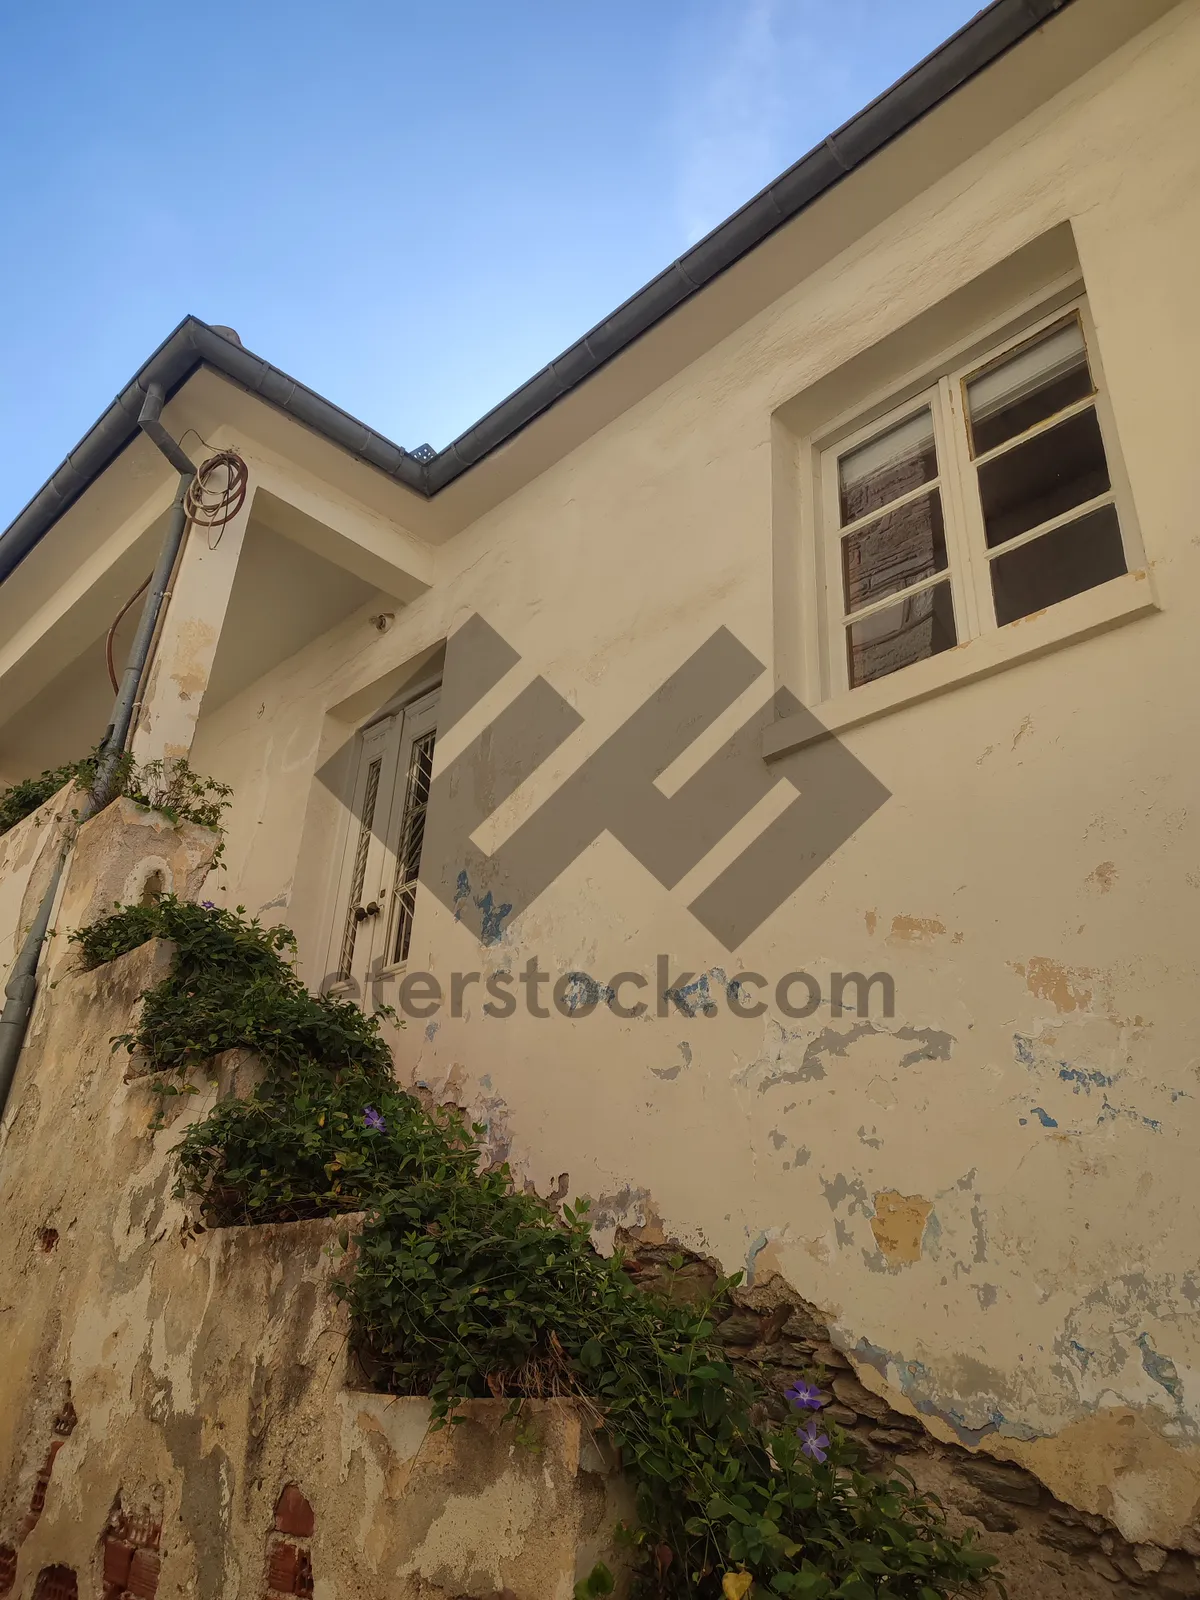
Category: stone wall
[1048,1550]
[178,1416]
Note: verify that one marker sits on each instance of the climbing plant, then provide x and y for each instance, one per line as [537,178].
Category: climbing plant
[168,786]
[464,1285]
[22,799]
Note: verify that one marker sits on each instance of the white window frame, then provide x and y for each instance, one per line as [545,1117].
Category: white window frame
[968,557]
[808,559]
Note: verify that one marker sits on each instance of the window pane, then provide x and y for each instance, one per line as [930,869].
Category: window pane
[887,466]
[922,625]
[894,552]
[1043,477]
[1032,384]
[412,837]
[359,872]
[1058,565]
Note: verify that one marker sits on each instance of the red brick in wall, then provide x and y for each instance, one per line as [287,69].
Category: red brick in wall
[56,1583]
[143,1575]
[293,1514]
[289,1566]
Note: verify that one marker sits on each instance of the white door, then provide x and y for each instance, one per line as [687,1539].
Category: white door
[378,890]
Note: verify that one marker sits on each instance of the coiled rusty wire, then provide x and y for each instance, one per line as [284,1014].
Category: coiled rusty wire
[217,493]
[213,498]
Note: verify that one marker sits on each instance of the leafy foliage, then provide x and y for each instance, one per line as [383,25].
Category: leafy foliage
[173,789]
[170,787]
[465,1286]
[23,799]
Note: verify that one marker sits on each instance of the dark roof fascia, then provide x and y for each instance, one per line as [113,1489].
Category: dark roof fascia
[194,344]
[987,36]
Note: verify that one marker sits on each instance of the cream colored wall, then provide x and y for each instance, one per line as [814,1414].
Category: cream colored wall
[1032,884]
[28,855]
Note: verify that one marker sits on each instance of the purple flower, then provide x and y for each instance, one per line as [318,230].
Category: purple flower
[209,905]
[813,1444]
[804,1396]
[373,1119]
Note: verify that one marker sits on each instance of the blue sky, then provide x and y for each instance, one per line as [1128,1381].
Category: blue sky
[409,208]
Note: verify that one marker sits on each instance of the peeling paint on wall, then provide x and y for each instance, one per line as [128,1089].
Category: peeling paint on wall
[899,1224]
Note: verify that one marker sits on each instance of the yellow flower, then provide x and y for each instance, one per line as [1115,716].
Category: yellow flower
[736,1585]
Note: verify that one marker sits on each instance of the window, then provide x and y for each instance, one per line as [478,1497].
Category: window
[984,499]
[378,885]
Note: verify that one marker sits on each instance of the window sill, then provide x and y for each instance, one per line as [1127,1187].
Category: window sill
[1094,611]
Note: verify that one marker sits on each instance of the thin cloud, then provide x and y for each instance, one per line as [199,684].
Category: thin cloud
[754,88]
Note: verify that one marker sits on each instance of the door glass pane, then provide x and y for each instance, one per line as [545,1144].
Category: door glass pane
[1057,565]
[895,551]
[359,870]
[1040,378]
[1042,478]
[893,463]
[921,625]
[412,837]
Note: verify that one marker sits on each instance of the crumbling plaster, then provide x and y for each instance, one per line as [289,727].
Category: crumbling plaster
[28,853]
[1031,885]
[182,1385]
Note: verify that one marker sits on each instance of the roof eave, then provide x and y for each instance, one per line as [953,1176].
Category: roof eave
[194,343]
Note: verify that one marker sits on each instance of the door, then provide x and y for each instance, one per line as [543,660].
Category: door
[378,888]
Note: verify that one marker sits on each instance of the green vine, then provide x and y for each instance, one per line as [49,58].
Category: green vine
[464,1286]
[167,786]
[22,799]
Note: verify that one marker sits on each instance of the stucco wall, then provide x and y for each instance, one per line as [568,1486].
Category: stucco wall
[28,854]
[1000,1226]
[158,1397]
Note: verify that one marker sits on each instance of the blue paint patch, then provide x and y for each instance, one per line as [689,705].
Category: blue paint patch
[1023,1049]
[752,1255]
[1081,1354]
[1044,1117]
[430,1029]
[486,1081]
[693,998]
[1161,1368]
[491,927]
[1085,1078]
[1111,1113]
[916,1379]
[581,992]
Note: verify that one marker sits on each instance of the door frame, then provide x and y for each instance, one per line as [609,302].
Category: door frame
[367,873]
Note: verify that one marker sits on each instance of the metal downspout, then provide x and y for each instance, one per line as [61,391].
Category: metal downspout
[21,989]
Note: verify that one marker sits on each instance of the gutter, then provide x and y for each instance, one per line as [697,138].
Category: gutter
[195,344]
